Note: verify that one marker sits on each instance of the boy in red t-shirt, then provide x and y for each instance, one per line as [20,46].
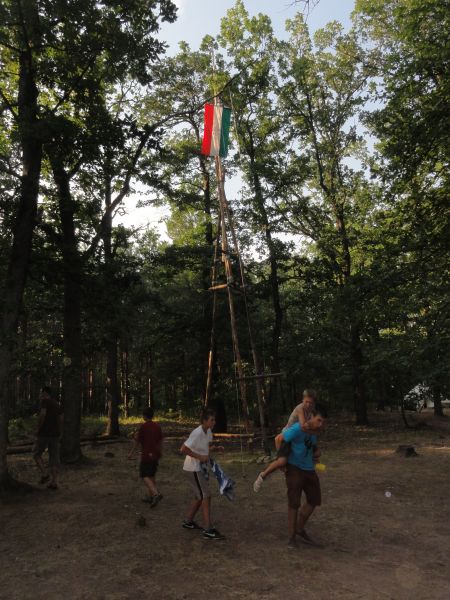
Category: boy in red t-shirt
[149,437]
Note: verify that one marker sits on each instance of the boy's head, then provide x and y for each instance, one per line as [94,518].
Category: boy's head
[208,418]
[309,398]
[319,416]
[46,392]
[148,413]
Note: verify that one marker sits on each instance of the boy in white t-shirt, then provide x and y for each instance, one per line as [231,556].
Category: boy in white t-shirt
[196,448]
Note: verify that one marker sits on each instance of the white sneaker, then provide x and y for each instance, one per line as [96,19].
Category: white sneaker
[258,483]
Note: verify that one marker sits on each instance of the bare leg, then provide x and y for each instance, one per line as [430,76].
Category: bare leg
[279,463]
[54,475]
[193,508]
[150,484]
[206,510]
[41,465]
[292,522]
[305,512]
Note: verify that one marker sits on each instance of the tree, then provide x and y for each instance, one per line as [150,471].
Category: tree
[250,45]
[412,164]
[323,91]
[61,53]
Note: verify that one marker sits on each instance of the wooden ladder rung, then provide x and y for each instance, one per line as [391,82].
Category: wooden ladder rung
[221,286]
[233,287]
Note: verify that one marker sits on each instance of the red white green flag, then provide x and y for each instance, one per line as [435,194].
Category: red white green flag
[217,130]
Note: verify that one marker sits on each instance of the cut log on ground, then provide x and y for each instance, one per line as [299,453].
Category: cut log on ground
[406,451]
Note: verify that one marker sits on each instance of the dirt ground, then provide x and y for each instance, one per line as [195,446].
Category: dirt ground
[84,541]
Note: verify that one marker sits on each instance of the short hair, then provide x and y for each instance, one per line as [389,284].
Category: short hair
[309,393]
[47,389]
[321,410]
[148,412]
[206,414]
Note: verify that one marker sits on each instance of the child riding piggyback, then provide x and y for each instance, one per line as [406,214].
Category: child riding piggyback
[301,414]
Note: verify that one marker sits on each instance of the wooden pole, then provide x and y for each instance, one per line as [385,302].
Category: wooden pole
[213,318]
[226,214]
[229,277]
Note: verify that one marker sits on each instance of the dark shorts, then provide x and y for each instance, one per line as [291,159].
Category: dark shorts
[148,469]
[199,484]
[50,443]
[299,481]
[284,450]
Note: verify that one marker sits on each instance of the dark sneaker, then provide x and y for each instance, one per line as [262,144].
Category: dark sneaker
[156,500]
[292,543]
[44,479]
[305,538]
[213,534]
[148,500]
[190,525]
[52,486]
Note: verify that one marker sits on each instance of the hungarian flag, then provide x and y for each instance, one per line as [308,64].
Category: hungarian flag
[217,129]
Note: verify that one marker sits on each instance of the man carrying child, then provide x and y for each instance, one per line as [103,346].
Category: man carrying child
[301,475]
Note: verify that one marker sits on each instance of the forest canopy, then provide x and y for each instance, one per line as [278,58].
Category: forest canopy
[340,147]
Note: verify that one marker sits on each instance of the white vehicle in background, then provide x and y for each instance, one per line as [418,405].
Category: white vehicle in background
[420,397]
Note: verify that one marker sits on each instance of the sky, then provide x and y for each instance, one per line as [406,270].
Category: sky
[197,18]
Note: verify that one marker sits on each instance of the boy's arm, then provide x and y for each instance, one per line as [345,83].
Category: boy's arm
[188,452]
[216,448]
[41,418]
[135,445]
[301,418]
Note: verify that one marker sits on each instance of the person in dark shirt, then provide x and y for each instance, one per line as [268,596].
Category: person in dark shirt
[49,431]
[149,438]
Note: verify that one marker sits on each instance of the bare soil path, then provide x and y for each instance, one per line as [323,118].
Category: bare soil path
[84,541]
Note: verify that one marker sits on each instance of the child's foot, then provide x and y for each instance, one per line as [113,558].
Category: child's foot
[292,543]
[190,525]
[52,486]
[155,500]
[305,538]
[258,483]
[148,500]
[213,534]
[44,479]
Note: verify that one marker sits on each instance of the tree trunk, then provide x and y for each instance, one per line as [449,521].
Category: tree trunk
[437,400]
[149,380]
[72,265]
[125,379]
[113,389]
[22,236]
[274,358]
[356,353]
[111,360]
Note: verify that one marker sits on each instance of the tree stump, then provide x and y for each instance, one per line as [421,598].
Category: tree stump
[406,451]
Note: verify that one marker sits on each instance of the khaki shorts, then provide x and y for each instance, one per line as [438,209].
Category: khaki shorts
[52,443]
[299,481]
[198,483]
